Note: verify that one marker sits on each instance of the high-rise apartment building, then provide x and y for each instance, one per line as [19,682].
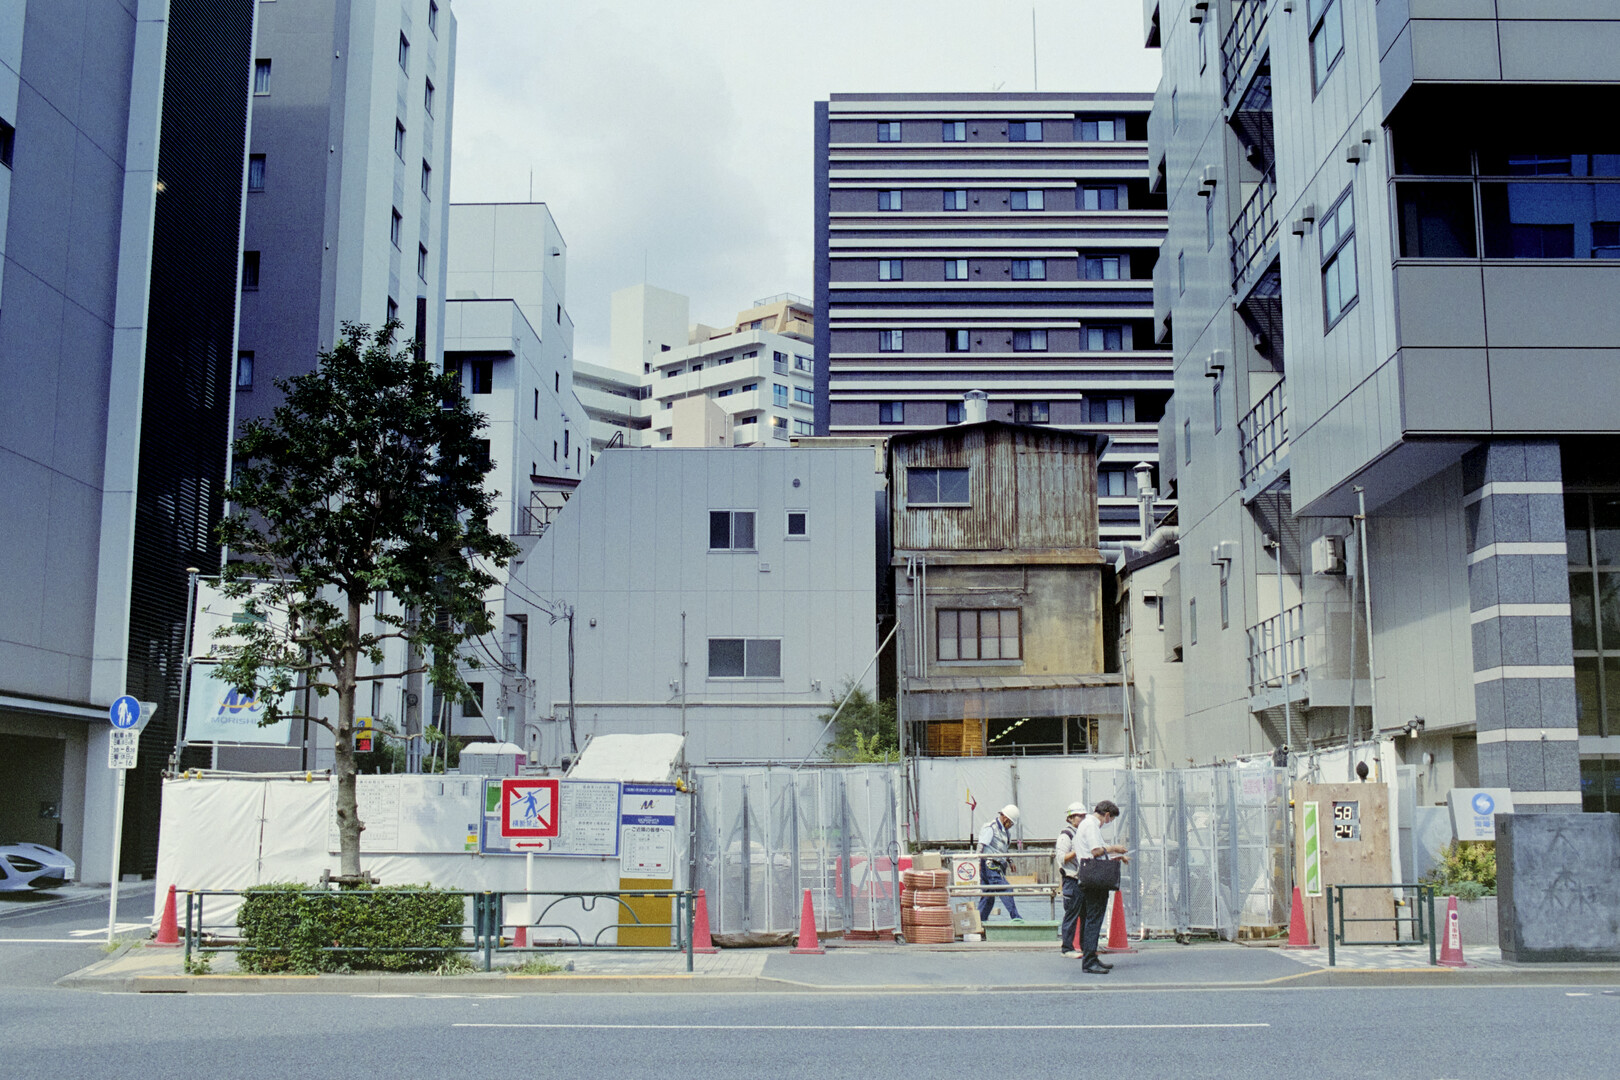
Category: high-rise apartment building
[1388,271]
[1000,242]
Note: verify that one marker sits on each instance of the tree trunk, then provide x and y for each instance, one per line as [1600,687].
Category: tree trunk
[348,809]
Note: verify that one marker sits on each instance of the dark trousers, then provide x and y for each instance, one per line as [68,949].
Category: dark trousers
[1071,912]
[1093,902]
[988,876]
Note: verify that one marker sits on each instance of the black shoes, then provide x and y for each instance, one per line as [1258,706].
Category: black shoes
[1096,967]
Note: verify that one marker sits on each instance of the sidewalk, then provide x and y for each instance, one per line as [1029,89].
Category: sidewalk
[868,969]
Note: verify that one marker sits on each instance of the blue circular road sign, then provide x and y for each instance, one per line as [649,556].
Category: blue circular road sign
[125,712]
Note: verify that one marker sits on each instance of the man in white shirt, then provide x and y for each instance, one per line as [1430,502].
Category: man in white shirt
[1068,865]
[1088,839]
[996,839]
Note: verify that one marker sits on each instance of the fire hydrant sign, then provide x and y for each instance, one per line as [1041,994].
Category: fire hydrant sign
[647,831]
[529,808]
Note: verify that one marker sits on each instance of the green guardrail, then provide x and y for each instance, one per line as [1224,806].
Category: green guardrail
[1411,906]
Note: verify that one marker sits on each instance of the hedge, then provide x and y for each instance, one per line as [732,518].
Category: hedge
[292,927]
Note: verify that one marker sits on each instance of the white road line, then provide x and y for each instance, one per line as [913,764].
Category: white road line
[861,1027]
[45,941]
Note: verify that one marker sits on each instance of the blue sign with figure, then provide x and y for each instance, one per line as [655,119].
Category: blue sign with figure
[124,713]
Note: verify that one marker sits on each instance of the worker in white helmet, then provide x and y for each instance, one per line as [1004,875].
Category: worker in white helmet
[996,839]
[1068,867]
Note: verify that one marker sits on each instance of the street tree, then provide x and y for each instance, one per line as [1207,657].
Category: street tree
[865,730]
[367,479]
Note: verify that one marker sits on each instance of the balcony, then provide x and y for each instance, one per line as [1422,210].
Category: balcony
[1263,435]
[1277,652]
[1254,234]
[1243,49]
[543,508]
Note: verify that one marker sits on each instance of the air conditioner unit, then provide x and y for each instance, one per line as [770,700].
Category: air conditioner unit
[1327,555]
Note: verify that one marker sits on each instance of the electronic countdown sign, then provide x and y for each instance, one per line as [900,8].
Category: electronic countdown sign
[1347,820]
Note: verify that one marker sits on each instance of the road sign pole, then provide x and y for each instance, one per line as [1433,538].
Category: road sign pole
[117,850]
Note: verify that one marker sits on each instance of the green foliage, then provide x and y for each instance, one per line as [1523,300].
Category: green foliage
[290,927]
[1465,866]
[538,965]
[865,731]
[200,964]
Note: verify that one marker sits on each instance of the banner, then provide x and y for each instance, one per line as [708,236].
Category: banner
[216,712]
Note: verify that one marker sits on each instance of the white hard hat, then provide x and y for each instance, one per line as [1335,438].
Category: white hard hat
[1010,812]
[1075,808]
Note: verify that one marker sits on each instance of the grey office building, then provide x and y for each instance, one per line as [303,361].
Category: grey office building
[1388,274]
[995,242]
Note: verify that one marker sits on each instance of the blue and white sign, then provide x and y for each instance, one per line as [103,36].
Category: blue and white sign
[1474,810]
[125,713]
[647,831]
[218,712]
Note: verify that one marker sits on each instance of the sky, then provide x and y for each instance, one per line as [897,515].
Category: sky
[673,140]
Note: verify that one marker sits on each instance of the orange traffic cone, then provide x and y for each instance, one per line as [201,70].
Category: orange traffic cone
[168,929]
[1118,939]
[1299,935]
[701,941]
[1451,945]
[520,937]
[808,942]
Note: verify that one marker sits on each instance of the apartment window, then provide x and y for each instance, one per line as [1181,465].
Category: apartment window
[747,387]
[745,658]
[567,438]
[394,223]
[779,394]
[889,131]
[482,374]
[957,341]
[956,269]
[798,523]
[1203,46]
[1337,234]
[393,310]
[927,486]
[1107,410]
[891,270]
[1181,273]
[1437,221]
[255,172]
[731,530]
[803,427]
[749,420]
[1102,267]
[803,363]
[399,140]
[1029,269]
[801,396]
[1032,199]
[474,704]
[1113,483]
[1105,129]
[953,412]
[1024,131]
[699,367]
[956,199]
[261,76]
[1186,442]
[727,392]
[779,362]
[1175,104]
[1327,39]
[1215,394]
[779,427]
[480,454]
[888,200]
[891,340]
[891,412]
[953,131]
[1032,412]
[1226,605]
[977,634]
[404,53]
[427,97]
[421,262]
[433,18]
[536,408]
[244,371]
[1029,340]
[1192,621]
[1099,198]
[427,180]
[1105,338]
[8,143]
[1592,540]
[250,269]
[1209,223]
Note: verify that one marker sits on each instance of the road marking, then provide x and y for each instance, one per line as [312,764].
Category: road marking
[44,941]
[102,930]
[1573,994]
[861,1027]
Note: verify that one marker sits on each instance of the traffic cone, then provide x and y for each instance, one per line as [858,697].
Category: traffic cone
[1299,936]
[168,929]
[1451,945]
[808,942]
[1118,939]
[701,941]
[520,937]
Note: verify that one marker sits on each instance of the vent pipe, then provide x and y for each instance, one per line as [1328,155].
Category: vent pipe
[976,407]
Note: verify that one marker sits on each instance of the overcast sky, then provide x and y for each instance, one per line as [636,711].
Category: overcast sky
[676,135]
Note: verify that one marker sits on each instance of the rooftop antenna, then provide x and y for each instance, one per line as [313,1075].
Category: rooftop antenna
[1034,55]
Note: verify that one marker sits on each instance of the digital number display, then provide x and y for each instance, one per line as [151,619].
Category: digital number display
[1347,821]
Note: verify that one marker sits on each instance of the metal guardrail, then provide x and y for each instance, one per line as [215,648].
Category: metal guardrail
[1241,45]
[1255,228]
[1264,433]
[1421,901]
[487,910]
[1277,649]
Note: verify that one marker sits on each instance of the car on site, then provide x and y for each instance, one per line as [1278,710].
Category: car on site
[25,867]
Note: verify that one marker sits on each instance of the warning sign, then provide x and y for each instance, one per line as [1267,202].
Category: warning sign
[529,808]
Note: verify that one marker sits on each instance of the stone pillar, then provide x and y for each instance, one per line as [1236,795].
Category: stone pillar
[1518,585]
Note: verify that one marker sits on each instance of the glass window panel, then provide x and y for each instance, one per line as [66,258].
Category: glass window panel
[1606,531]
[1009,635]
[1608,601]
[742,530]
[947,635]
[1116,410]
[969,635]
[953,485]
[922,485]
[719,528]
[1592,785]
[725,658]
[763,659]
[1587,709]
[1437,221]
[1582,613]
[1611,698]
[989,636]
[1540,221]
[1575,534]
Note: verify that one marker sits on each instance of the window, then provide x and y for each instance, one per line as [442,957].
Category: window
[8,143]
[404,53]
[1203,46]
[891,270]
[1029,340]
[798,523]
[1032,412]
[1592,542]
[1108,129]
[1437,221]
[1175,104]
[956,200]
[427,97]
[747,387]
[474,704]
[536,408]
[250,269]
[1029,269]
[1115,483]
[749,420]
[1209,222]
[745,658]
[427,179]
[779,363]
[888,131]
[1181,272]
[888,200]
[1099,198]
[953,131]
[956,269]
[696,368]
[1186,442]
[891,412]
[977,634]
[399,140]
[779,394]
[433,18]
[1216,403]
[803,427]
[567,438]
[1107,410]
[255,172]
[393,310]
[731,530]
[482,374]
[244,371]
[801,396]
[1102,267]
[1105,338]
[803,363]
[957,341]
[421,262]
[1226,604]
[1192,621]
[727,392]
[480,454]
[1033,199]
[779,427]
[891,340]
[953,412]
[1327,39]
[1337,236]
[926,486]
[261,76]
[1024,131]
[394,223]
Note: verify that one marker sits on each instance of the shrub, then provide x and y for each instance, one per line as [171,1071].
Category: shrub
[1466,863]
[293,927]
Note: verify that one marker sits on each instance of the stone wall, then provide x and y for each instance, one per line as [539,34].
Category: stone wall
[1558,886]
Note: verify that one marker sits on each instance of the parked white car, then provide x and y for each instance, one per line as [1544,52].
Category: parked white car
[33,866]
